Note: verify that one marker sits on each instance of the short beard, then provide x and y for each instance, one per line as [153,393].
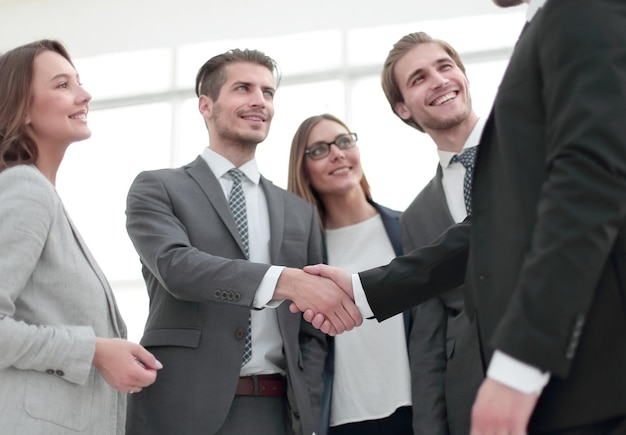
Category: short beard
[434,124]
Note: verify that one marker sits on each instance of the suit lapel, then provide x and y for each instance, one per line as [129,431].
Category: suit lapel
[276,209]
[200,172]
[116,318]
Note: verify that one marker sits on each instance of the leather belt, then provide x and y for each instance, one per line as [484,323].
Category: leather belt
[262,385]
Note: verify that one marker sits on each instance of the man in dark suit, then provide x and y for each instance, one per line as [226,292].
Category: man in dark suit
[446,368]
[230,369]
[546,247]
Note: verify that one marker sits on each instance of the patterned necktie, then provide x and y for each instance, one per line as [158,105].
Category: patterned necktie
[237,202]
[466,158]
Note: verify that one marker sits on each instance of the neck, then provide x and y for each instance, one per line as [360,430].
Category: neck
[453,139]
[236,153]
[48,164]
[347,209]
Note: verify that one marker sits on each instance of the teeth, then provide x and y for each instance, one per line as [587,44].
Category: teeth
[443,99]
[79,116]
[340,170]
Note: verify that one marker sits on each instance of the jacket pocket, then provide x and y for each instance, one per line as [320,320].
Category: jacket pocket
[50,398]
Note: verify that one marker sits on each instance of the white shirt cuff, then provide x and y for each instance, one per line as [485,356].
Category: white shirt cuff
[263,296]
[517,374]
[360,299]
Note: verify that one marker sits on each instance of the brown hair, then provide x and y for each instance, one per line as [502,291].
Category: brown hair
[16,79]
[211,75]
[399,50]
[297,176]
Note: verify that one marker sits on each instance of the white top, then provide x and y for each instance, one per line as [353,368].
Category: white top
[267,343]
[372,374]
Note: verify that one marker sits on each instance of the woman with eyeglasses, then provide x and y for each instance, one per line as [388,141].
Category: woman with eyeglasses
[368,387]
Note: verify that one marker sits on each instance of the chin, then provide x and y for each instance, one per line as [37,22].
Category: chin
[508,3]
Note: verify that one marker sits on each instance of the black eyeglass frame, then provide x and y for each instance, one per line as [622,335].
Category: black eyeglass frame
[353,140]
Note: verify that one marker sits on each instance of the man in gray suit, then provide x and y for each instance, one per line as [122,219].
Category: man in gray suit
[425,83]
[232,366]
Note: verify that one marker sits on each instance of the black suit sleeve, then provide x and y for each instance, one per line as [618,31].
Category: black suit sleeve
[416,277]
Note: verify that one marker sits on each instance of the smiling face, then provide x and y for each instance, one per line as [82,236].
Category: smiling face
[434,89]
[244,109]
[338,173]
[58,113]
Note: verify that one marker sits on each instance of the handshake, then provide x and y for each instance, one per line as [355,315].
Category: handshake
[324,294]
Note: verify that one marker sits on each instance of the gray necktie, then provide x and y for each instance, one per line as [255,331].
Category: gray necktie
[237,202]
[466,158]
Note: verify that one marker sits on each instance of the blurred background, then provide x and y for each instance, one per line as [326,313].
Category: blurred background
[139,58]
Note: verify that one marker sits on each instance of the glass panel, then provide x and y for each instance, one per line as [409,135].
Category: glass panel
[371,45]
[295,54]
[129,73]
[96,174]
[398,160]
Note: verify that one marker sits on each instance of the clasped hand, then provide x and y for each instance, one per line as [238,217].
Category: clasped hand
[330,306]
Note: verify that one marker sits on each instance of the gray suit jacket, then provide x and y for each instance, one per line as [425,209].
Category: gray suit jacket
[201,290]
[54,301]
[446,368]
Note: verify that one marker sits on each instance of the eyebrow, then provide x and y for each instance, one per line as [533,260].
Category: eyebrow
[421,70]
[245,83]
[65,76]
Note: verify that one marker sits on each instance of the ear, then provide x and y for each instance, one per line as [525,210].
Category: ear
[27,119]
[402,111]
[205,106]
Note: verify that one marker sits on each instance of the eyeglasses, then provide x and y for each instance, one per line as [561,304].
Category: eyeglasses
[319,150]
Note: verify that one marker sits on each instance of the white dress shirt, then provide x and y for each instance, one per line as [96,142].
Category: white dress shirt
[267,353]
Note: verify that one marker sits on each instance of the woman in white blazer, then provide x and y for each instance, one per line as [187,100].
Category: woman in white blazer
[65,367]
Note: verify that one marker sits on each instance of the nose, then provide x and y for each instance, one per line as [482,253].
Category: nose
[83,96]
[258,98]
[440,80]
[335,152]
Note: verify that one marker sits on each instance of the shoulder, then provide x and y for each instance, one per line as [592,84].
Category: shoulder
[290,198]
[386,211]
[27,182]
[26,194]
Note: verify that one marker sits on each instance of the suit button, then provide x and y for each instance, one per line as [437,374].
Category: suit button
[237,296]
[59,373]
[231,296]
[50,371]
[240,334]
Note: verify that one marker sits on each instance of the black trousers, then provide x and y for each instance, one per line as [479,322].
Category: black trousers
[398,423]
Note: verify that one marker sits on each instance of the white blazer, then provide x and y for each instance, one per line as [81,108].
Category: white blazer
[54,301]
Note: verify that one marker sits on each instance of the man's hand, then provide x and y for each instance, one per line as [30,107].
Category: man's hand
[317,295]
[318,319]
[499,409]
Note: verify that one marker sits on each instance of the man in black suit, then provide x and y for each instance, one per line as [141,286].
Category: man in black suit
[546,247]
[425,83]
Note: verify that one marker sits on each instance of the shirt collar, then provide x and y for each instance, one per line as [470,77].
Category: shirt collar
[533,7]
[220,165]
[472,140]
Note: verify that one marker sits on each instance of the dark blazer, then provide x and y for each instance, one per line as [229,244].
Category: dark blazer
[546,276]
[446,367]
[391,222]
[181,225]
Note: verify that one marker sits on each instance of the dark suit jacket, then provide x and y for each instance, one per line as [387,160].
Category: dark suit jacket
[391,222]
[446,367]
[181,225]
[547,263]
